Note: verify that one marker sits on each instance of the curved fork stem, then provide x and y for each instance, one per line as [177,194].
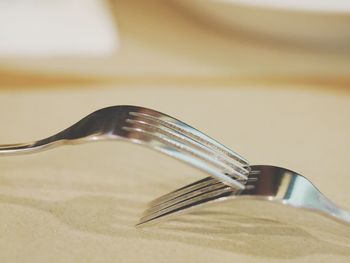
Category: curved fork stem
[41,145]
[24,148]
[333,210]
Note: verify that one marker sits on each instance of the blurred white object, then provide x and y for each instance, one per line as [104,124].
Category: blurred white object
[320,22]
[56,28]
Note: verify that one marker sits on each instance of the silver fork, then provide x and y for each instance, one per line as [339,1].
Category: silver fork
[265,182]
[153,129]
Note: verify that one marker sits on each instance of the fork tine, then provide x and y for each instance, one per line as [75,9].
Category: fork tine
[187,193]
[181,135]
[189,198]
[189,145]
[192,156]
[208,181]
[180,151]
[183,190]
[184,197]
[195,202]
[191,188]
[191,132]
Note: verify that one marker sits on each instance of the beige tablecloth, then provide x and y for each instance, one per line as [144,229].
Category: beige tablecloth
[80,203]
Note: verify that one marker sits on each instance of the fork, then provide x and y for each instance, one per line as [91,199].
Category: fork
[153,129]
[265,182]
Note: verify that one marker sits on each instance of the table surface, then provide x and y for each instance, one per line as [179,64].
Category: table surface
[80,203]
[274,104]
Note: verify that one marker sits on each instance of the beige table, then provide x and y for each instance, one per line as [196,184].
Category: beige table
[79,203]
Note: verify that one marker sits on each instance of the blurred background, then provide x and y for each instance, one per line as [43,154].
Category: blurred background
[183,42]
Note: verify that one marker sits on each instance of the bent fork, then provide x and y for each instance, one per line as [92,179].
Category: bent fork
[265,182]
[153,129]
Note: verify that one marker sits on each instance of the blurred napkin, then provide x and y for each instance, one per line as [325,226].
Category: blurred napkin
[56,28]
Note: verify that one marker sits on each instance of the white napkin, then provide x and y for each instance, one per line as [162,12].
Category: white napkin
[56,28]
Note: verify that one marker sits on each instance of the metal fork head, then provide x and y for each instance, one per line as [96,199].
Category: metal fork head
[153,129]
[265,182]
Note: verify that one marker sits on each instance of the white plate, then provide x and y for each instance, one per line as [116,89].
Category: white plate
[317,22]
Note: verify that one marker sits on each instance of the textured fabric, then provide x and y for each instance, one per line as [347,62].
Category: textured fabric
[80,203]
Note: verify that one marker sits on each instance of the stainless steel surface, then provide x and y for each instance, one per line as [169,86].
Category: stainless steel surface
[153,129]
[265,182]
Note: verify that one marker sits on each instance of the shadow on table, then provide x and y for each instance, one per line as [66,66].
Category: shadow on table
[222,230]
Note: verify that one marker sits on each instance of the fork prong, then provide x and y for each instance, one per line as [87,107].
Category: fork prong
[150,125]
[184,197]
[185,129]
[187,154]
[190,198]
[192,147]
[195,188]
[196,202]
[183,190]
[188,192]
[193,143]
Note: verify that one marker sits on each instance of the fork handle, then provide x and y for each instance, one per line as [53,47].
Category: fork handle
[23,148]
[333,210]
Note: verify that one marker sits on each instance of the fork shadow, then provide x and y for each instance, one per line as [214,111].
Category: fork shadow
[225,230]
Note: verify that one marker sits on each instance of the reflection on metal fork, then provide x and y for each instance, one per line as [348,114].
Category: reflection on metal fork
[268,183]
[153,129]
